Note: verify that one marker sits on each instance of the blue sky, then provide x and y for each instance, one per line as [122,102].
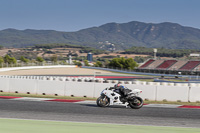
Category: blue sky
[73,15]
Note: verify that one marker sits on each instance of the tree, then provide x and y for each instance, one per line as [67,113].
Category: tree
[54,58]
[78,63]
[139,59]
[10,60]
[130,64]
[1,60]
[23,59]
[1,47]
[123,63]
[39,59]
[98,64]
[13,60]
[86,63]
[7,59]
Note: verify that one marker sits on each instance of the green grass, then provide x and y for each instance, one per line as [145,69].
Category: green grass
[36,126]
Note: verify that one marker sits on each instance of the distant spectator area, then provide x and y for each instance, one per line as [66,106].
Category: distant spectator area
[171,65]
[166,64]
[147,63]
[190,65]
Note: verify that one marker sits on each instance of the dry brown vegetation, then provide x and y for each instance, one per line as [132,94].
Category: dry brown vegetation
[120,55]
[59,52]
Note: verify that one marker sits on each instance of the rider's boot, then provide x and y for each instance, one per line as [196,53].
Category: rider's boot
[111,101]
[127,105]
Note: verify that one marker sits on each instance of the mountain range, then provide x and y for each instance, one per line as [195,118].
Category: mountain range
[110,36]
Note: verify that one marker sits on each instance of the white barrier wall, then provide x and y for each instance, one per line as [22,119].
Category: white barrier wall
[50,87]
[79,88]
[22,85]
[194,94]
[63,86]
[4,84]
[148,91]
[100,86]
[172,93]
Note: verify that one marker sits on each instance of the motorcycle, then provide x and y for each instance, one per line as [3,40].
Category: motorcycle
[110,96]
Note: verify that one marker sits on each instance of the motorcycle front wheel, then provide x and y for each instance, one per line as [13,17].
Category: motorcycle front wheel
[136,103]
[103,101]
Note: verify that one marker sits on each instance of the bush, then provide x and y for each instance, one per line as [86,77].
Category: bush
[123,63]
[164,100]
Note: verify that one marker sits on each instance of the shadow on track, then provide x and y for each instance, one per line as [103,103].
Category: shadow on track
[113,106]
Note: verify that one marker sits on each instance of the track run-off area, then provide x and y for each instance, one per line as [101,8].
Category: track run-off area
[44,116]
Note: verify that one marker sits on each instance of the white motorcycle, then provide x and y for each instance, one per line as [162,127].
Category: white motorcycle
[110,96]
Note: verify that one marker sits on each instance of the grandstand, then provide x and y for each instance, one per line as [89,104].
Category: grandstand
[197,68]
[170,66]
[154,64]
[189,65]
[166,64]
[147,63]
[177,65]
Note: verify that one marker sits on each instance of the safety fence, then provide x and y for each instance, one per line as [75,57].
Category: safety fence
[92,87]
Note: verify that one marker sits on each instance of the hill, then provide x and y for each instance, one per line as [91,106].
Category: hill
[110,36]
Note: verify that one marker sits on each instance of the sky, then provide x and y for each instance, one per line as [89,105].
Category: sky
[74,15]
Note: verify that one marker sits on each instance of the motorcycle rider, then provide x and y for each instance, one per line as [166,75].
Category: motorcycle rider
[121,89]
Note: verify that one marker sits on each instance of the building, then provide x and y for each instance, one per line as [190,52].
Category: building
[89,57]
[194,55]
[70,59]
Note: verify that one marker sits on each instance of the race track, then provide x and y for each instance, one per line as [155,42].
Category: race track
[59,111]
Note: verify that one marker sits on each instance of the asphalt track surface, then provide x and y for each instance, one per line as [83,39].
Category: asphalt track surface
[59,111]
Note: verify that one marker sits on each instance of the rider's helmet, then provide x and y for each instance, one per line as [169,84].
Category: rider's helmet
[118,85]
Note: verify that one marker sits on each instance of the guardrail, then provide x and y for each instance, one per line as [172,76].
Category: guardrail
[92,87]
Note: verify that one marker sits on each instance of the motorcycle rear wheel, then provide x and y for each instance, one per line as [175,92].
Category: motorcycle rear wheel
[103,101]
[136,103]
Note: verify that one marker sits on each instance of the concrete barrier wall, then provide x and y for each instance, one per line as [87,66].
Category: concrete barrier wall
[50,87]
[194,95]
[100,86]
[4,84]
[148,91]
[22,86]
[79,89]
[172,93]
[63,86]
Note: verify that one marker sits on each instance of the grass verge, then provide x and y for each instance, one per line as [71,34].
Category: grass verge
[36,126]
